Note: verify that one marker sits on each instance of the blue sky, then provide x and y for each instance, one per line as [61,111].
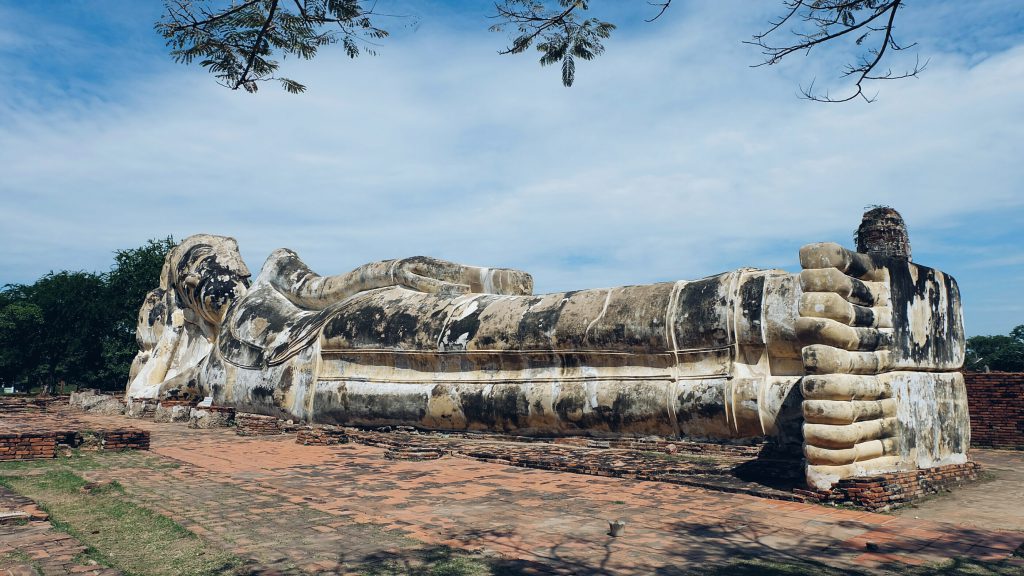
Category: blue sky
[671,157]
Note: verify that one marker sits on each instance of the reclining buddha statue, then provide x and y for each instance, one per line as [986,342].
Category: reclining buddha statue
[855,358]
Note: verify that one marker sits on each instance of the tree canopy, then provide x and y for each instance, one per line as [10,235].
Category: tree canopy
[77,327]
[1000,353]
[241,43]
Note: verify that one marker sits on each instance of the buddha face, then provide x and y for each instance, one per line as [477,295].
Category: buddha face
[209,277]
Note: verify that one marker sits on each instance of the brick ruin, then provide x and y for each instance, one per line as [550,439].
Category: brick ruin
[28,446]
[257,425]
[43,445]
[321,436]
[996,403]
[883,232]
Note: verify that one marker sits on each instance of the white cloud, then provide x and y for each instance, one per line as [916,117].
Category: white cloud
[670,158]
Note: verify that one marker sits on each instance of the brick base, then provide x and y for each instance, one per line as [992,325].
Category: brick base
[28,446]
[321,436]
[125,439]
[257,425]
[887,491]
[43,445]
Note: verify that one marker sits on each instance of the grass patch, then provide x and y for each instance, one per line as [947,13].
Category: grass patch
[117,532]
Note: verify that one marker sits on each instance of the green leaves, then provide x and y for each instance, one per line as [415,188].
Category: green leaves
[239,43]
[78,327]
[568,70]
[561,37]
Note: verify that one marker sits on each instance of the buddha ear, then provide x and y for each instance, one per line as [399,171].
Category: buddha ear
[165,272]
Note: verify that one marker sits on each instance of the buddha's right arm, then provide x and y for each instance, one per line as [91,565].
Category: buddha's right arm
[307,289]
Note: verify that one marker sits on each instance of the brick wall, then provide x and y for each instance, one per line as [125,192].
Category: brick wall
[36,445]
[27,446]
[126,439]
[996,404]
[257,425]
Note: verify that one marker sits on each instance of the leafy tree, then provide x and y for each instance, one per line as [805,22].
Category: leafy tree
[55,327]
[77,327]
[238,43]
[1001,353]
[21,327]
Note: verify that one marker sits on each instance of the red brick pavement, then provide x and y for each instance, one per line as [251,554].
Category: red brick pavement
[319,508]
[315,509]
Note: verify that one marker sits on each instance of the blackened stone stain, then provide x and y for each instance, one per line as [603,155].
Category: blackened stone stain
[506,408]
[751,298]
[467,325]
[158,313]
[698,322]
[944,335]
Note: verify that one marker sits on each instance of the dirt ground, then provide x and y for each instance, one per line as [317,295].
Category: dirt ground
[994,503]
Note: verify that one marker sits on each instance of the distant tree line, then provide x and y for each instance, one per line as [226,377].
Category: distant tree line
[999,353]
[77,329]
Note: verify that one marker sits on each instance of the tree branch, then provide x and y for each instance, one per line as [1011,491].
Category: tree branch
[213,17]
[835,19]
[254,53]
[663,7]
[523,17]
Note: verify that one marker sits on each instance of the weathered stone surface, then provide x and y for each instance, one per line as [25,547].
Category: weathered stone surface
[211,417]
[172,411]
[854,357]
[91,401]
[882,391]
[140,408]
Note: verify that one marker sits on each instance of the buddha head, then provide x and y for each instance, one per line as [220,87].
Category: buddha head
[207,274]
